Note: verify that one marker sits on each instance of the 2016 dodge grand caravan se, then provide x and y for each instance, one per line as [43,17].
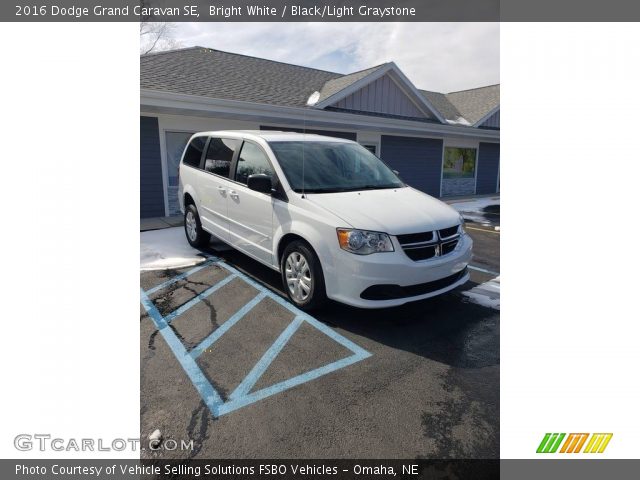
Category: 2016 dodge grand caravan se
[326,213]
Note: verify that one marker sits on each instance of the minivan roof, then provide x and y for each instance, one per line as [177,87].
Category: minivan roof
[273,136]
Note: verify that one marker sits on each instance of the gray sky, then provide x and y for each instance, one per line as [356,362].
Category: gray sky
[443,57]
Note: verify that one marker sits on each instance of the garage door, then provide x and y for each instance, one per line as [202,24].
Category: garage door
[151,194]
[488,164]
[328,133]
[419,161]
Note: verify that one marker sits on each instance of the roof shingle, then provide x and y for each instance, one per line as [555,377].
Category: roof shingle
[212,73]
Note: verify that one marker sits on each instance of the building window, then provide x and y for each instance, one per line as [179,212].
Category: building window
[372,147]
[459,163]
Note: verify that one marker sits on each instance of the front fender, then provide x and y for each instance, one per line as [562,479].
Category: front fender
[315,232]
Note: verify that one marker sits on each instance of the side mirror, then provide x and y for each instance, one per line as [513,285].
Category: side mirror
[260,183]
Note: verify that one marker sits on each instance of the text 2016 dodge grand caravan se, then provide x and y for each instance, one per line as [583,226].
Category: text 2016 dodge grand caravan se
[326,213]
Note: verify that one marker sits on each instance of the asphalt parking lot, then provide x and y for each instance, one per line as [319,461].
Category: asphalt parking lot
[229,364]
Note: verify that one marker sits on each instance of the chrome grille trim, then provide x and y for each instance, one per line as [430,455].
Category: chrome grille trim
[439,245]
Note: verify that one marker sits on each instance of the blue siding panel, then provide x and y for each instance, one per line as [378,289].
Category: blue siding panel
[381,96]
[488,164]
[151,190]
[419,161]
[493,121]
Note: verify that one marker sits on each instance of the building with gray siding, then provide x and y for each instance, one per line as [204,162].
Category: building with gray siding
[443,144]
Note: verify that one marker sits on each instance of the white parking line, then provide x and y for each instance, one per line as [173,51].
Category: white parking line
[478,269]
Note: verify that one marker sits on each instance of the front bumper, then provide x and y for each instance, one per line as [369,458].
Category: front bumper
[390,279]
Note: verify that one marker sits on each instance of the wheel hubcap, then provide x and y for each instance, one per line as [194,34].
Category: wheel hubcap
[298,276]
[191,226]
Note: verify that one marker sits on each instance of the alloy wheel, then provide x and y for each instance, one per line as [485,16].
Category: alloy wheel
[192,227]
[298,276]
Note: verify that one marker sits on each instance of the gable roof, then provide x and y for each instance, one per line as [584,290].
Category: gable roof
[476,102]
[215,74]
[365,77]
[339,84]
[466,107]
[212,73]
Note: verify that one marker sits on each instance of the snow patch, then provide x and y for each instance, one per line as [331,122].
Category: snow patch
[473,210]
[486,294]
[167,248]
[459,121]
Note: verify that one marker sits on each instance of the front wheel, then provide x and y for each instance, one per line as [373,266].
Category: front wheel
[196,236]
[302,276]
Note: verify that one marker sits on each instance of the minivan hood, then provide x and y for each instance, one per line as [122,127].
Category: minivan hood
[395,211]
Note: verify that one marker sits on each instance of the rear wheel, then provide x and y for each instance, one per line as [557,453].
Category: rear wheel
[302,276]
[196,236]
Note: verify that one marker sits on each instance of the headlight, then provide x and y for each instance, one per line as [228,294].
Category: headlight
[362,242]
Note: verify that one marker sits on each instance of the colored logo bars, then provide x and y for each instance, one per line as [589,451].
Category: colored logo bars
[574,442]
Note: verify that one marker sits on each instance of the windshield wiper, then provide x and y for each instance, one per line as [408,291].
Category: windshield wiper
[346,189]
[321,190]
[372,187]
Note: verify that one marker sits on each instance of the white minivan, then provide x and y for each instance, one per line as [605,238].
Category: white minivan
[326,213]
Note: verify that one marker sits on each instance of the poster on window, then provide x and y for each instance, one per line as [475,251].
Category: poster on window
[459,162]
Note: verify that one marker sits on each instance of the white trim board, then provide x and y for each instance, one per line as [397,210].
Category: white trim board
[175,104]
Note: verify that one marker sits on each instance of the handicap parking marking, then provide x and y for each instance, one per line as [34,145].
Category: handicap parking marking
[193,371]
[198,298]
[242,395]
[256,372]
[210,261]
[218,332]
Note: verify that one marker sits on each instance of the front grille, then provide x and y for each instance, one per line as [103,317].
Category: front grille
[426,245]
[448,232]
[415,238]
[421,253]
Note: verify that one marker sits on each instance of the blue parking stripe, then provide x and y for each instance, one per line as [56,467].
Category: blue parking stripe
[241,396]
[285,303]
[344,341]
[188,364]
[232,405]
[183,308]
[218,332]
[269,356]
[210,261]
[275,297]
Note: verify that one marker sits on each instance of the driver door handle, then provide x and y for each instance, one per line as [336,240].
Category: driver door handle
[233,194]
[222,190]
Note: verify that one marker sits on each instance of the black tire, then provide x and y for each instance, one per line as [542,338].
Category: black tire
[316,296]
[196,237]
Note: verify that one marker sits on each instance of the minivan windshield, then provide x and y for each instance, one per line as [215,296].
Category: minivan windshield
[332,167]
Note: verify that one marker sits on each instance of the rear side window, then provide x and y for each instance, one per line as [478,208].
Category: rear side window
[194,152]
[252,160]
[219,156]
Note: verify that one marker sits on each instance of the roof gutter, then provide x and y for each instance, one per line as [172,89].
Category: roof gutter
[155,101]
